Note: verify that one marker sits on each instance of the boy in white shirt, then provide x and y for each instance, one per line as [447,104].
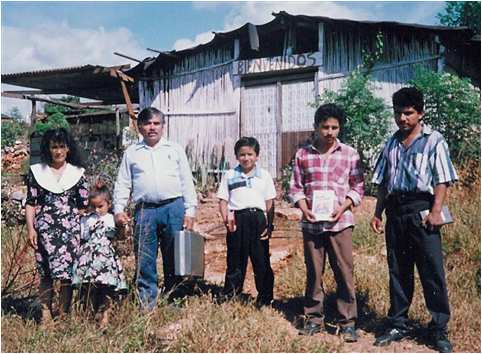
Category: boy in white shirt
[246,204]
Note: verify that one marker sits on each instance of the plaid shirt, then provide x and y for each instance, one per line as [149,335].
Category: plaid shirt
[340,171]
[416,168]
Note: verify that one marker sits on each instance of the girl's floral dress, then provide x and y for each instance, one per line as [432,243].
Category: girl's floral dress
[98,262]
[57,222]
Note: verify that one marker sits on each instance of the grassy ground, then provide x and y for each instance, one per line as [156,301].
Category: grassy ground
[199,324]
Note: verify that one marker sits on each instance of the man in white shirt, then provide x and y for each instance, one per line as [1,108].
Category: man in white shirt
[155,173]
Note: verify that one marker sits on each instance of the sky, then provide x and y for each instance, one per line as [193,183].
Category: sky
[38,35]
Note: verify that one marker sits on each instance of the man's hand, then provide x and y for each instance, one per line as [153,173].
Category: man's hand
[266,233]
[377,225]
[32,237]
[432,221]
[189,222]
[338,212]
[121,219]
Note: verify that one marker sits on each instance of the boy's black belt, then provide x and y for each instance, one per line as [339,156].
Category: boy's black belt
[149,205]
[248,210]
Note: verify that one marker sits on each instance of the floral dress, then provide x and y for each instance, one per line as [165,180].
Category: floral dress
[98,262]
[57,222]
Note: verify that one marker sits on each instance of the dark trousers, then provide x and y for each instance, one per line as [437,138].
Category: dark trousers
[243,243]
[409,243]
[339,247]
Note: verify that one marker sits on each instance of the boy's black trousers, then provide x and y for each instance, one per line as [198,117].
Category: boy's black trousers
[243,243]
[408,244]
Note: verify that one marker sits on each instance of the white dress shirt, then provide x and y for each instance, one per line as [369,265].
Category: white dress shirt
[153,174]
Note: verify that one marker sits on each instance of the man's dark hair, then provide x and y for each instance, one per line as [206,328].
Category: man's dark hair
[60,136]
[246,141]
[408,97]
[329,110]
[149,113]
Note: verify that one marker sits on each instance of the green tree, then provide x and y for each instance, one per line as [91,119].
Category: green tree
[368,117]
[461,13]
[452,106]
[16,114]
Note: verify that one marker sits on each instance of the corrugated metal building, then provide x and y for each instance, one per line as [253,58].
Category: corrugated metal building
[259,80]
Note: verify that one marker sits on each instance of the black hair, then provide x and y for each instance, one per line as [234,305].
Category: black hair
[408,97]
[246,141]
[60,136]
[149,113]
[100,190]
[329,110]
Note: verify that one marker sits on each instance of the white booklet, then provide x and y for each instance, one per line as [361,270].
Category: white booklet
[323,205]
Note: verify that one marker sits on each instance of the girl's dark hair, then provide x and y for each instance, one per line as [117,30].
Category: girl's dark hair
[246,141]
[60,136]
[100,189]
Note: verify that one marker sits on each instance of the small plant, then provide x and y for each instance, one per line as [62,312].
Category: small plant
[12,131]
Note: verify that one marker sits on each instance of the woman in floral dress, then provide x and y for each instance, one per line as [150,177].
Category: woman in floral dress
[56,191]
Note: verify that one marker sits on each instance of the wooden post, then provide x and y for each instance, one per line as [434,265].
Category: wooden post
[34,113]
[441,52]
[279,127]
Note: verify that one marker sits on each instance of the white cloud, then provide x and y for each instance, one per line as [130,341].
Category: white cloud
[187,43]
[261,12]
[58,45]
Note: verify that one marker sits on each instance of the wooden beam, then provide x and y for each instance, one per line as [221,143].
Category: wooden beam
[127,57]
[130,110]
[47,100]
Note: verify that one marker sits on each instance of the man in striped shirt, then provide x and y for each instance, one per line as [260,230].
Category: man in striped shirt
[329,167]
[413,173]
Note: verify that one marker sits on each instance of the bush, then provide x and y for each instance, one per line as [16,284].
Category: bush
[54,121]
[452,106]
[11,131]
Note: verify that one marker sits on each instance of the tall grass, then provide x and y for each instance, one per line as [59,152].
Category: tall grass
[200,324]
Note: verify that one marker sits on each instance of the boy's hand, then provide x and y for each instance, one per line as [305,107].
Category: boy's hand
[377,225]
[309,216]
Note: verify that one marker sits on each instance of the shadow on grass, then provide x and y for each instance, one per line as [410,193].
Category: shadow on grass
[368,320]
[27,308]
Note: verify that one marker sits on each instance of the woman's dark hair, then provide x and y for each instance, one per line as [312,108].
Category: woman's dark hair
[60,136]
[246,141]
[329,110]
[408,97]
[149,113]
[100,189]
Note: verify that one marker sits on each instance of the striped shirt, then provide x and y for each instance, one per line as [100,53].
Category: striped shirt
[416,168]
[340,171]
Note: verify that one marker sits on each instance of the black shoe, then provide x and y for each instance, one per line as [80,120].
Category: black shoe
[309,328]
[349,334]
[441,342]
[391,335]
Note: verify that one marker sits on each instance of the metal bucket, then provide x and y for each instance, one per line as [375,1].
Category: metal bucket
[188,254]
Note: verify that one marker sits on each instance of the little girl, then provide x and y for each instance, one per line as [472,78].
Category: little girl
[97,271]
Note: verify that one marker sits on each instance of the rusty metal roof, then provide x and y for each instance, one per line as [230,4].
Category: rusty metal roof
[89,81]
[279,22]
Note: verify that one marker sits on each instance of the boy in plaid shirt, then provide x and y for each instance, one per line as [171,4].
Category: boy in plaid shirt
[328,165]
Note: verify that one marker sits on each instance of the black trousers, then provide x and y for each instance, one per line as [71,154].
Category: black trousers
[243,243]
[409,243]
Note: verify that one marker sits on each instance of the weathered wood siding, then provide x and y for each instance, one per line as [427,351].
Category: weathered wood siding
[202,107]
[402,52]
